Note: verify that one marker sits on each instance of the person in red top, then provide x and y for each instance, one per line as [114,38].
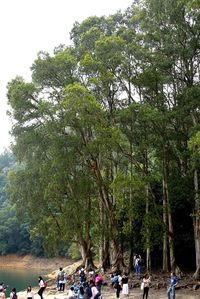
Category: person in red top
[98,282]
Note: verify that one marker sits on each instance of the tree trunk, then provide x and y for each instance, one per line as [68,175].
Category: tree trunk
[86,242]
[197,250]
[131,264]
[117,262]
[106,255]
[173,264]
[87,255]
[104,252]
[101,245]
[148,252]
[165,248]
[196,224]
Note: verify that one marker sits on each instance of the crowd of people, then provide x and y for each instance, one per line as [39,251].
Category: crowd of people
[89,287]
[90,284]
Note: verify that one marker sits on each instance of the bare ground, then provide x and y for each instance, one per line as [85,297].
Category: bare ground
[108,293]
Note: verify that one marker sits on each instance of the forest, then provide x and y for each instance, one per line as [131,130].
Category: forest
[107,140]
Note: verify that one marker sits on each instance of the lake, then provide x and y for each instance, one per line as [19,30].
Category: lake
[19,278]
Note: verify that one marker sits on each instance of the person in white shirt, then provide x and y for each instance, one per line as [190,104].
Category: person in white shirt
[41,286]
[29,293]
[95,292]
[137,260]
[71,294]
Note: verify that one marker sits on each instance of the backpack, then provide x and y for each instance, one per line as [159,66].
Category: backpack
[62,275]
[88,291]
[115,281]
[82,273]
[14,296]
[45,285]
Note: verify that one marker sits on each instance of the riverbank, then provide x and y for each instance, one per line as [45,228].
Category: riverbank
[28,261]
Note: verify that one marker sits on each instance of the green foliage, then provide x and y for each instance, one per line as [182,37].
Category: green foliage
[14,235]
[73,252]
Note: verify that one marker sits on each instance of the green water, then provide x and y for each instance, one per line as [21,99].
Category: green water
[19,278]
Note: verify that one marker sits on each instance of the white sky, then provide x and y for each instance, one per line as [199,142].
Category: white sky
[29,26]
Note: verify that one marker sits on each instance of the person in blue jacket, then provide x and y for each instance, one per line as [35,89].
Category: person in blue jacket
[173,283]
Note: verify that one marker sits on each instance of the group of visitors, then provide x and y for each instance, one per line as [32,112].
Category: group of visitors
[171,289]
[120,284]
[13,293]
[146,279]
[90,284]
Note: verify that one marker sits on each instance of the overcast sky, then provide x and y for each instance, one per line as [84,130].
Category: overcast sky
[29,26]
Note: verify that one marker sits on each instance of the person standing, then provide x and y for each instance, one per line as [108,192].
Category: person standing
[98,282]
[41,286]
[61,280]
[13,294]
[125,288]
[87,292]
[95,292]
[146,281]
[82,275]
[137,259]
[116,281]
[173,283]
[2,294]
[29,293]
[71,294]
[81,293]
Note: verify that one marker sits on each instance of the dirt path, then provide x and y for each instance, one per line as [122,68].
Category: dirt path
[107,293]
